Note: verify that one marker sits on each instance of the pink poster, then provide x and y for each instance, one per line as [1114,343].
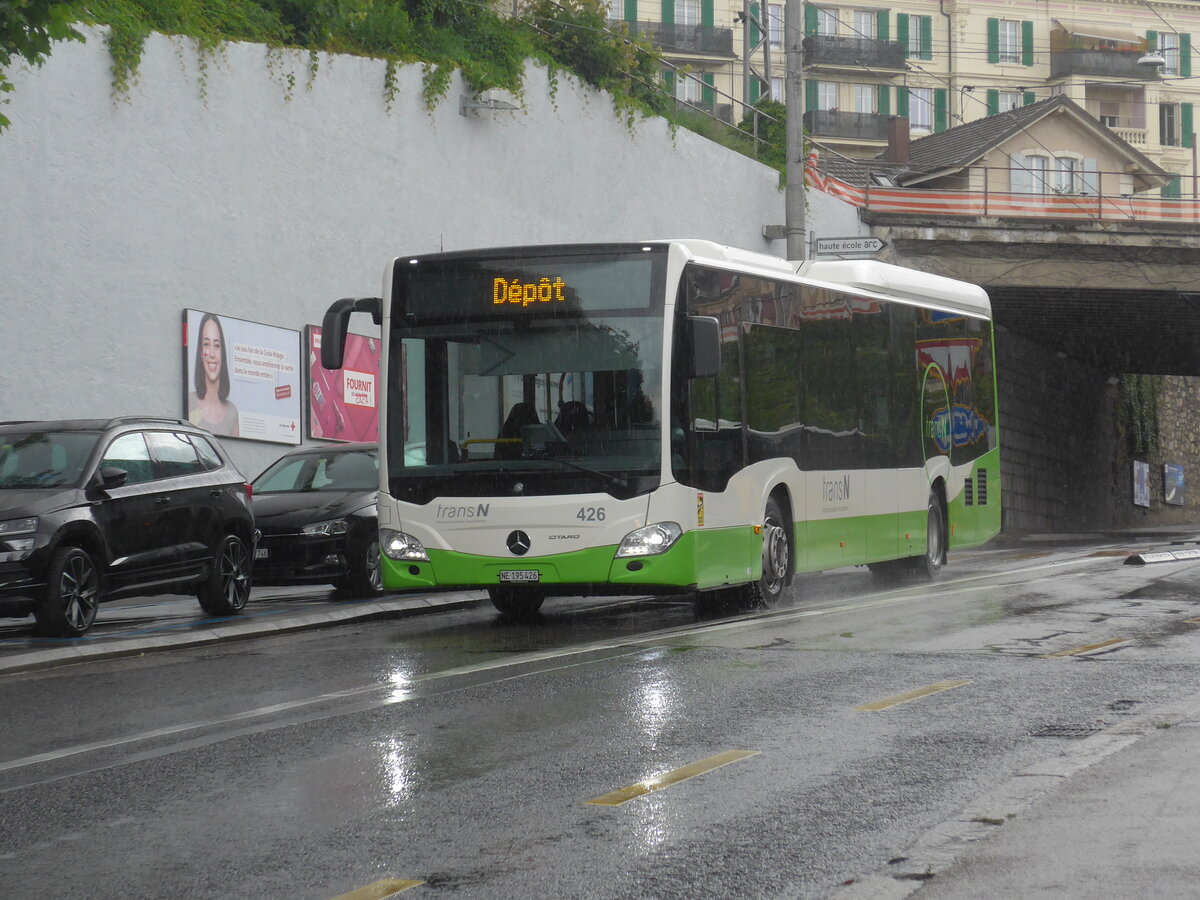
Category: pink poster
[343,405]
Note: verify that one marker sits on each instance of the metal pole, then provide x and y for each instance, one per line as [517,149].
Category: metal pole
[764,9]
[745,57]
[793,34]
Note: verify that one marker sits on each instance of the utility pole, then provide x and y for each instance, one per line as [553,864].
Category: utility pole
[793,35]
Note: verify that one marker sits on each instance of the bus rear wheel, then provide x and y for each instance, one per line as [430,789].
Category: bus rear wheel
[929,564]
[776,559]
[516,603]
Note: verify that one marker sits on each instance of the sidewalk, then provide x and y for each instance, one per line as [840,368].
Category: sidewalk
[48,653]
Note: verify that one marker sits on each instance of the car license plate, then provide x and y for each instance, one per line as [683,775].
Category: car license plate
[520,576]
[261,552]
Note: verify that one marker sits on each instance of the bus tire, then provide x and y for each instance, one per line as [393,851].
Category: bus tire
[777,555]
[516,603]
[929,564]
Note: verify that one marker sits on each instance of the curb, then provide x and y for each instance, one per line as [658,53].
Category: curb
[233,628]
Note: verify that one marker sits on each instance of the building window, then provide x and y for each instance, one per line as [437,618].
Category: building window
[827,21]
[687,12]
[827,95]
[1168,124]
[1010,41]
[775,28]
[920,109]
[616,9]
[1009,100]
[1027,174]
[864,23]
[1168,46]
[687,88]
[865,98]
[777,89]
[1066,175]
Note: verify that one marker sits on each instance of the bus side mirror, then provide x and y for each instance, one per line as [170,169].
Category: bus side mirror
[705,334]
[336,323]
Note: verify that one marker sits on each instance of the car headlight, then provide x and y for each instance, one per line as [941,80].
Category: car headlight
[398,545]
[18,526]
[329,529]
[649,541]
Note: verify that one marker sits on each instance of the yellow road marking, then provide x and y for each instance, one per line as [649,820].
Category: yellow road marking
[917,694]
[1086,648]
[379,889]
[625,794]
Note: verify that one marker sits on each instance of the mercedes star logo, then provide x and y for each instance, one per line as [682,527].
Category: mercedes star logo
[518,543]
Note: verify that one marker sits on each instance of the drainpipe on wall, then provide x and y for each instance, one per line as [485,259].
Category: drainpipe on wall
[952,93]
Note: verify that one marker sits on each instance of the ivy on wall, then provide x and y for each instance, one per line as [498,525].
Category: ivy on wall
[1137,411]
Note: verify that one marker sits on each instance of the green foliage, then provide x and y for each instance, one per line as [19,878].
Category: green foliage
[1138,397]
[27,29]
[771,127]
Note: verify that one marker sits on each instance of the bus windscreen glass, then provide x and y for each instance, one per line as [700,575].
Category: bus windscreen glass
[539,375]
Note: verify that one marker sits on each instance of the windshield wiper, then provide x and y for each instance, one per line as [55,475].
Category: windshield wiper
[612,479]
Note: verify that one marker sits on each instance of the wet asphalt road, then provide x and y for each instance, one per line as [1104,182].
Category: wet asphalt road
[460,751]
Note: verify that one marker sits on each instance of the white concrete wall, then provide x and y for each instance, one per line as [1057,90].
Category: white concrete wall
[240,199]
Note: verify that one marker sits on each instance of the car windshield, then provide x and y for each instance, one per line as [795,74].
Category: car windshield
[44,459]
[353,470]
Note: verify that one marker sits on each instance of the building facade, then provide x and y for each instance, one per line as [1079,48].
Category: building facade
[1128,63]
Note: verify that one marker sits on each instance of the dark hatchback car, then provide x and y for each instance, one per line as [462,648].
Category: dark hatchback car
[315,509]
[96,509]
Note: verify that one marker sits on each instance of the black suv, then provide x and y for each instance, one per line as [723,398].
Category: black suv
[92,510]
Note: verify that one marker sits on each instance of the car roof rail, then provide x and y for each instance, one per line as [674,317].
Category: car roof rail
[18,421]
[126,420]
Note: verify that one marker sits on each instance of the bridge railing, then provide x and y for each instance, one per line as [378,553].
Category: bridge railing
[1089,204]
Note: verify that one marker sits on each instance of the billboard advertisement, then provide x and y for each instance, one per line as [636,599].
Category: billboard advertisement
[343,404]
[241,379]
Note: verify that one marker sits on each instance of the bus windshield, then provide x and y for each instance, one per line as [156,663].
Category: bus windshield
[526,375]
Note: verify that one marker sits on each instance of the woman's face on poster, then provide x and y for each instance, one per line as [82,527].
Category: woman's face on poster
[210,350]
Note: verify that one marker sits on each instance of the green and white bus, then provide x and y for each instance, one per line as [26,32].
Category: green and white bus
[674,416]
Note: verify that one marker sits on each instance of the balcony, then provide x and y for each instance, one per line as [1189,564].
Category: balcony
[832,51]
[1108,63]
[694,39]
[832,123]
[722,111]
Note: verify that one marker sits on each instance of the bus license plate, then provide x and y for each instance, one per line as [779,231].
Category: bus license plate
[520,576]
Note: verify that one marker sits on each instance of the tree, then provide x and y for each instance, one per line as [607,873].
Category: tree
[27,29]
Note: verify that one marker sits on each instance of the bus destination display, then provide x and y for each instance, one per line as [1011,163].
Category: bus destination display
[513,290]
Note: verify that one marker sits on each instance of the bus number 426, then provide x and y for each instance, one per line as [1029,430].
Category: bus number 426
[590,514]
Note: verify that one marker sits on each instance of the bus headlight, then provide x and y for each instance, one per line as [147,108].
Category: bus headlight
[398,545]
[649,541]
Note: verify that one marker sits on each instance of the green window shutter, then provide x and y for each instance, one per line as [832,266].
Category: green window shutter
[993,31]
[1151,40]
[939,109]
[901,100]
[1030,97]
[1185,123]
[1027,43]
[630,10]
[810,19]
[1172,189]
[669,81]
[755,31]
[706,92]
[1185,56]
[668,12]
[926,23]
[810,92]
[755,90]
[883,99]
[993,101]
[902,31]
[881,25]
[706,13]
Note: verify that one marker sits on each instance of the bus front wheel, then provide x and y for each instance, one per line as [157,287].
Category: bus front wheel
[516,603]
[776,559]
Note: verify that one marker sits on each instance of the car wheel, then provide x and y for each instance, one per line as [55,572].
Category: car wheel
[366,578]
[72,596]
[227,587]
[776,560]
[516,603]
[929,564]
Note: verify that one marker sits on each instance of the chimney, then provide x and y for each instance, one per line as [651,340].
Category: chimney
[898,139]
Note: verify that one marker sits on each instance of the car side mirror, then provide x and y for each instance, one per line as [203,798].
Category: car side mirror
[336,323]
[705,340]
[110,477]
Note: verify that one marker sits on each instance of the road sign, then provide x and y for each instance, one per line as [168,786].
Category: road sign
[849,246]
